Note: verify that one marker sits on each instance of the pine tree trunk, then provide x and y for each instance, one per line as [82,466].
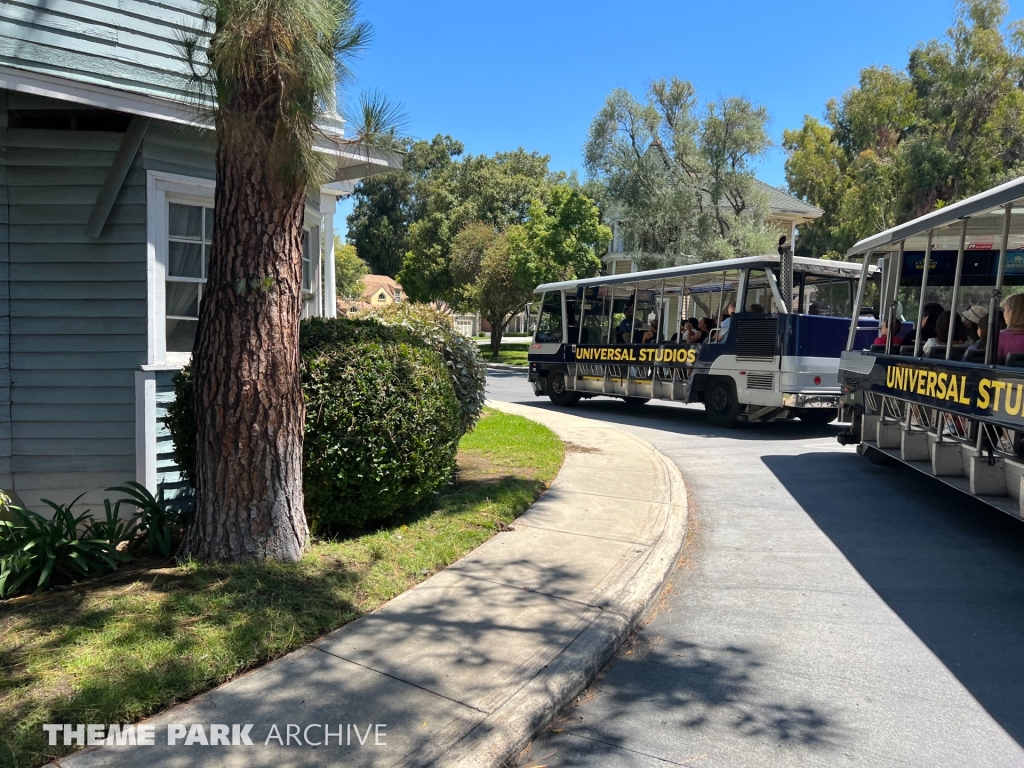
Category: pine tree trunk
[249,406]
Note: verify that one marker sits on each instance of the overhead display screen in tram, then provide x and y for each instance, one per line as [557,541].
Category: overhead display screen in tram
[980,267]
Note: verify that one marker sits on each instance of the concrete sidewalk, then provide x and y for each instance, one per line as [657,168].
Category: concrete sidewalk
[463,669]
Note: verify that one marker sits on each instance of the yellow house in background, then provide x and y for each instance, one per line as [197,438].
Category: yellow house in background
[378,291]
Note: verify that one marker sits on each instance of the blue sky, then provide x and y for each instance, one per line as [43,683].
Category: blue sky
[500,75]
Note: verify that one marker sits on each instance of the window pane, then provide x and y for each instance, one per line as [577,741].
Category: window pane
[181,335]
[307,263]
[182,299]
[208,222]
[549,327]
[185,221]
[185,259]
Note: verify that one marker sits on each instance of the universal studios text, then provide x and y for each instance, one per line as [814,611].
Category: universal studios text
[218,734]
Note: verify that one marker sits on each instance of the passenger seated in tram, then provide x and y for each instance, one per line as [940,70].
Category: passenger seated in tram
[704,328]
[897,340]
[691,331]
[978,315]
[971,317]
[757,309]
[811,310]
[929,318]
[1011,341]
[942,333]
[651,334]
[723,329]
[625,329]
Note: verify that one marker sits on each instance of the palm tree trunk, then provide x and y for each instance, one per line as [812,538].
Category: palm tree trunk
[249,406]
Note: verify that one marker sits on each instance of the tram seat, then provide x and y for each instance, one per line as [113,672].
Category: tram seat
[939,352]
[1015,360]
[907,350]
[975,356]
[878,348]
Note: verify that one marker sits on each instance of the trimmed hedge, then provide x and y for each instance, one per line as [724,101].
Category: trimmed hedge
[383,421]
[382,429]
[461,354]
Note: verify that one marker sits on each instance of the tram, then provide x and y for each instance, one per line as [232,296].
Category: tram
[769,334]
[949,403]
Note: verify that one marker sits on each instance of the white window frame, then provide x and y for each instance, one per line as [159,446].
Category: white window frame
[161,189]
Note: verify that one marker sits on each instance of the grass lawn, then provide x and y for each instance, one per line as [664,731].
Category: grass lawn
[511,356]
[119,649]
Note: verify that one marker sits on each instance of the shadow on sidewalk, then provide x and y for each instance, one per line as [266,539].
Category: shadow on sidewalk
[951,567]
[679,686]
[680,419]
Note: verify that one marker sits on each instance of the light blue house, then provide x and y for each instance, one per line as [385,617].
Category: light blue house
[106,201]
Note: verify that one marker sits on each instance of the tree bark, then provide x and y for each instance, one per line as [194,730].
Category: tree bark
[249,406]
[496,332]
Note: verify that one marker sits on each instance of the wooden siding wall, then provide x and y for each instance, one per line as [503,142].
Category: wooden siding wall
[77,311]
[170,480]
[6,482]
[124,44]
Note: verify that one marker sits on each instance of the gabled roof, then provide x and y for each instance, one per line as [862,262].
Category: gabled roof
[372,284]
[781,202]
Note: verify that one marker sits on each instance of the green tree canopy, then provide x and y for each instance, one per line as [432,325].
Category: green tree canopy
[903,143]
[493,228]
[386,206]
[349,270]
[495,271]
[496,190]
[681,174]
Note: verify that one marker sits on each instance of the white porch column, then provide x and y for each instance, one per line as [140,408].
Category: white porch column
[328,205]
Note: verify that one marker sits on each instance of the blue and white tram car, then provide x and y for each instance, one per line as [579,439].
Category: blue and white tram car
[754,356]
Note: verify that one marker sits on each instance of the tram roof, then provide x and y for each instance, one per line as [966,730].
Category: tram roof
[986,202]
[817,266]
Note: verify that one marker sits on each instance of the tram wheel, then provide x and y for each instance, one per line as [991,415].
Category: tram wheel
[720,404]
[818,417]
[636,401]
[559,392]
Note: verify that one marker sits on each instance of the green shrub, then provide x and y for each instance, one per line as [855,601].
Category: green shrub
[33,550]
[383,418]
[181,423]
[461,354]
[162,526]
[382,429]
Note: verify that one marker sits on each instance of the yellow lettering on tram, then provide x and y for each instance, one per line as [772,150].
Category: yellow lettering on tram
[965,399]
[999,387]
[1013,406]
[953,391]
[929,388]
[983,398]
[940,389]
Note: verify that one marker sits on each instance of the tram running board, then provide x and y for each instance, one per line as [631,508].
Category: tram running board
[1008,504]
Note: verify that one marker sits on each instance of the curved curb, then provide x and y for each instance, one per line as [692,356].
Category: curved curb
[509,729]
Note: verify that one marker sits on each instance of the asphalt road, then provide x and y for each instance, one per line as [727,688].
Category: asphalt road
[827,612]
